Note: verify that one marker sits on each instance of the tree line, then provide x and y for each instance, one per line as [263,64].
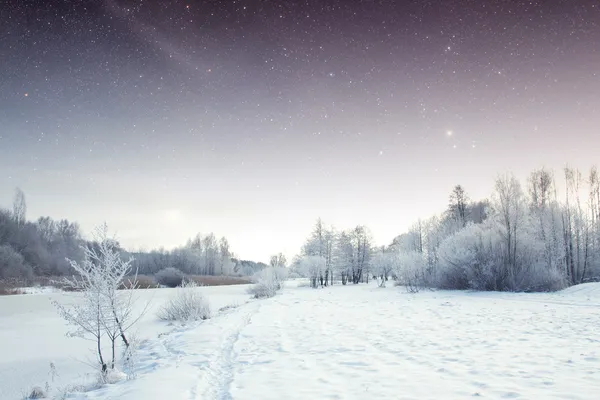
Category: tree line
[42,248]
[531,237]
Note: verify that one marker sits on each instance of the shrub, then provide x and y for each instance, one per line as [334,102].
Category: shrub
[187,304]
[36,393]
[170,277]
[409,270]
[268,282]
[12,264]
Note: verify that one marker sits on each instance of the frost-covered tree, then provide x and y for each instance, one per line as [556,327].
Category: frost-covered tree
[546,215]
[511,215]
[19,208]
[104,310]
[226,265]
[458,205]
[343,256]
[321,243]
[278,260]
[313,267]
[360,239]
[383,263]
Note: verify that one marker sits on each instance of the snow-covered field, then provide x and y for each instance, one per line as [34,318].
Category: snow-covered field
[352,342]
[32,335]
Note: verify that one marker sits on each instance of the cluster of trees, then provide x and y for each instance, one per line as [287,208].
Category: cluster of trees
[41,248]
[525,238]
[202,255]
[328,253]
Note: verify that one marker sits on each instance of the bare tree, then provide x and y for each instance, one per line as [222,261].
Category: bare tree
[361,244]
[278,260]
[105,309]
[458,205]
[320,243]
[543,209]
[19,208]
[313,267]
[511,211]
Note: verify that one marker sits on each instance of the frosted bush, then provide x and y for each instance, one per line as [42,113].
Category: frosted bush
[268,282]
[476,258]
[472,259]
[409,269]
[36,393]
[187,304]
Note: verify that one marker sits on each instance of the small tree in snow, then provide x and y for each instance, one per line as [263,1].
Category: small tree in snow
[104,310]
[383,264]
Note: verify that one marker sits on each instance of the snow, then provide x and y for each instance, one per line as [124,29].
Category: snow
[38,290]
[32,335]
[342,342]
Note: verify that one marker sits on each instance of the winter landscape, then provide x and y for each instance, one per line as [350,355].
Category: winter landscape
[352,342]
[316,199]
[494,298]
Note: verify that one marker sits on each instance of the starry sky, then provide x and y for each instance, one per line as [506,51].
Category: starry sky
[251,118]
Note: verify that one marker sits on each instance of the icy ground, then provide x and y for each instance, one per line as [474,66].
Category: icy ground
[363,342]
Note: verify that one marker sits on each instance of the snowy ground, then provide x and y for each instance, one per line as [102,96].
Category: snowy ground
[32,336]
[353,342]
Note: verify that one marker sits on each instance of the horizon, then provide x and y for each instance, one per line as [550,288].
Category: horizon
[137,243]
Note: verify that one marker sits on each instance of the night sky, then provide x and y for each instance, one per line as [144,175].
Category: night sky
[252,118]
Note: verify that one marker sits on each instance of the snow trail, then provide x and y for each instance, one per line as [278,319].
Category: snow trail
[218,373]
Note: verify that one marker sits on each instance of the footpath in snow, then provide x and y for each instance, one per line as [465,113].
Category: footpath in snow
[363,342]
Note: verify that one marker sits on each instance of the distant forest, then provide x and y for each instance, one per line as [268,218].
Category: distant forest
[523,238]
[42,248]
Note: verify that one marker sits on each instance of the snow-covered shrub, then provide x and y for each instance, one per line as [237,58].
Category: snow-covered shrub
[35,393]
[170,277]
[532,272]
[281,274]
[472,259]
[268,282]
[131,357]
[12,264]
[187,304]
[477,257]
[410,270]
